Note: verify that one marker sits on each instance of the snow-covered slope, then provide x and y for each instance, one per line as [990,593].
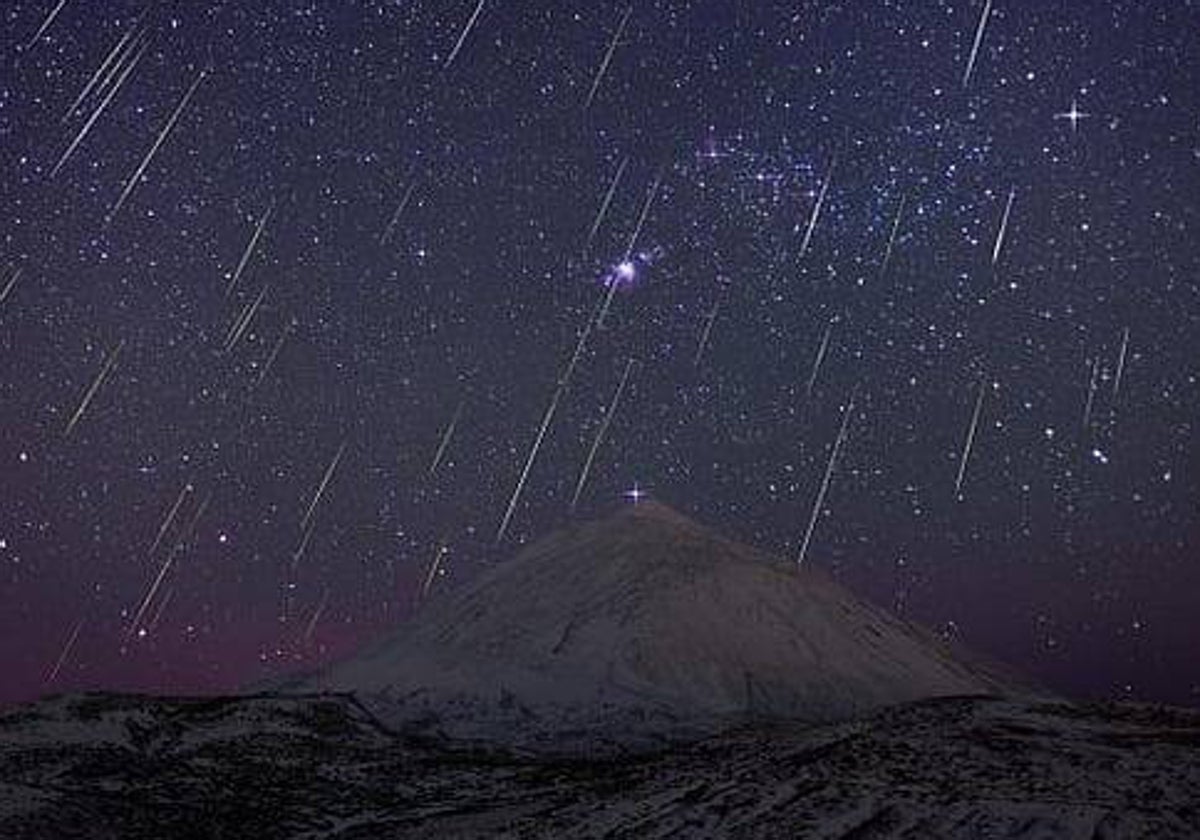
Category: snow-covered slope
[320,767]
[641,626]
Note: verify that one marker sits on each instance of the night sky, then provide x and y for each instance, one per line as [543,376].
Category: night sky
[278,335]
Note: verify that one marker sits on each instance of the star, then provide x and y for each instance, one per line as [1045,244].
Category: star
[710,151]
[635,494]
[1074,115]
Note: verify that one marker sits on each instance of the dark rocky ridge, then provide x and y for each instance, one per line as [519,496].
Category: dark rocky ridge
[322,767]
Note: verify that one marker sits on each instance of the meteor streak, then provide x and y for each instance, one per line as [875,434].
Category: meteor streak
[258,231]
[983,22]
[1120,361]
[162,135]
[816,213]
[463,37]
[166,523]
[243,322]
[8,287]
[434,565]
[91,121]
[612,48]
[168,561]
[103,69]
[124,55]
[298,554]
[46,23]
[712,317]
[329,471]
[887,256]
[613,281]
[386,236]
[91,392]
[533,451]
[816,369]
[161,609]
[287,328]
[593,319]
[837,446]
[626,269]
[561,386]
[445,440]
[66,651]
[970,442]
[316,616]
[608,197]
[1091,397]
[1003,226]
[149,597]
[637,231]
[608,416]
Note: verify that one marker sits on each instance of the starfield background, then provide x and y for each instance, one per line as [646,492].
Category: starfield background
[309,309]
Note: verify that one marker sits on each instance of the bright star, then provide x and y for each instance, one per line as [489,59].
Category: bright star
[635,494]
[1074,115]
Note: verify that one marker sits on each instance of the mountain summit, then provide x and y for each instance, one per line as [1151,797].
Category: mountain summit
[642,626]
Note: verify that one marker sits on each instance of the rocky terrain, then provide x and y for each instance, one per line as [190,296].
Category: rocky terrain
[320,766]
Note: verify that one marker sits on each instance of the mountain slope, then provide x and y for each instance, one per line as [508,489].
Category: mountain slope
[643,625]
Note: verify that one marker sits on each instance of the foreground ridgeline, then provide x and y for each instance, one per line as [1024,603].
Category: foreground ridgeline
[104,766]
